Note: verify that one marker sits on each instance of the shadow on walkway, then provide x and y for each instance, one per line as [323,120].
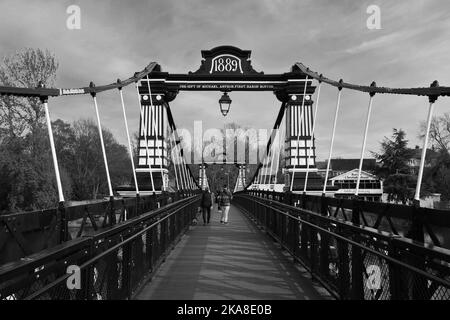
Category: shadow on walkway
[234,261]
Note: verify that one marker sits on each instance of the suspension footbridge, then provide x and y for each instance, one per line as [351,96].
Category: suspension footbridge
[300,242]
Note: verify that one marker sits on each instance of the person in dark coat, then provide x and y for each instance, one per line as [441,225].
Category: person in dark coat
[206,205]
[225,203]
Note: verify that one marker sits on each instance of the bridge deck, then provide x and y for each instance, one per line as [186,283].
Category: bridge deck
[234,261]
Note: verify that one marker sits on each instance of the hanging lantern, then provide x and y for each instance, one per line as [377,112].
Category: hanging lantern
[225,103]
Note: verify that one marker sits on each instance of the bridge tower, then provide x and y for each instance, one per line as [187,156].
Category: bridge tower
[299,141]
[202,178]
[241,182]
[153,128]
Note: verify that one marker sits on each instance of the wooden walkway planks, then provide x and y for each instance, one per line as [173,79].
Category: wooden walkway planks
[234,261]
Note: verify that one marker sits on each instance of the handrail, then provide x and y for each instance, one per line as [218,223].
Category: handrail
[76,241]
[368,230]
[108,251]
[87,251]
[338,253]
[359,245]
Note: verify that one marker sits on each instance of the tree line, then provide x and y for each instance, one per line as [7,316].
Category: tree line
[27,179]
[399,170]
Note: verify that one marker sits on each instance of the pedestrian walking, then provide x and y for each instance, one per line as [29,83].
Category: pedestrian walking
[225,203]
[206,205]
[217,195]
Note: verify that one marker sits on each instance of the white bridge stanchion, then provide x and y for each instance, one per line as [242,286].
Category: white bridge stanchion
[432,100]
[366,130]
[332,138]
[182,169]
[99,126]
[174,161]
[267,165]
[53,149]
[130,149]
[280,146]
[183,166]
[274,145]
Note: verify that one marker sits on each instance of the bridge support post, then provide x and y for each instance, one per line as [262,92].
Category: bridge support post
[112,291]
[396,277]
[288,198]
[314,246]
[303,200]
[343,268]
[63,225]
[137,212]
[303,235]
[357,258]
[324,239]
[126,271]
[417,283]
[112,211]
[416,231]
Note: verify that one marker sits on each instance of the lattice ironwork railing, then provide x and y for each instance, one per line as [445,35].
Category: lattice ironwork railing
[351,260]
[114,263]
[22,234]
[425,225]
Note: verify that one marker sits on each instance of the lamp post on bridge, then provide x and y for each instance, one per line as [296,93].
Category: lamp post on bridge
[225,103]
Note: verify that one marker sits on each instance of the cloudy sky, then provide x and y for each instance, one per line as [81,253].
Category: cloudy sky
[117,38]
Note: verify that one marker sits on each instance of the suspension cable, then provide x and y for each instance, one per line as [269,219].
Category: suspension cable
[297,156]
[312,136]
[276,125]
[130,149]
[155,132]
[144,125]
[53,150]
[419,91]
[261,170]
[172,157]
[432,100]
[332,138]
[273,155]
[54,92]
[100,132]
[363,147]
[189,179]
[184,167]
[178,158]
[267,164]
[282,134]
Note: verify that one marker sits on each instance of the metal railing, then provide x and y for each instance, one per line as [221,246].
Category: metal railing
[350,260]
[113,263]
[426,225]
[25,233]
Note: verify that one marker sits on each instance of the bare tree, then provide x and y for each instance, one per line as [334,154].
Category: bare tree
[439,132]
[25,68]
